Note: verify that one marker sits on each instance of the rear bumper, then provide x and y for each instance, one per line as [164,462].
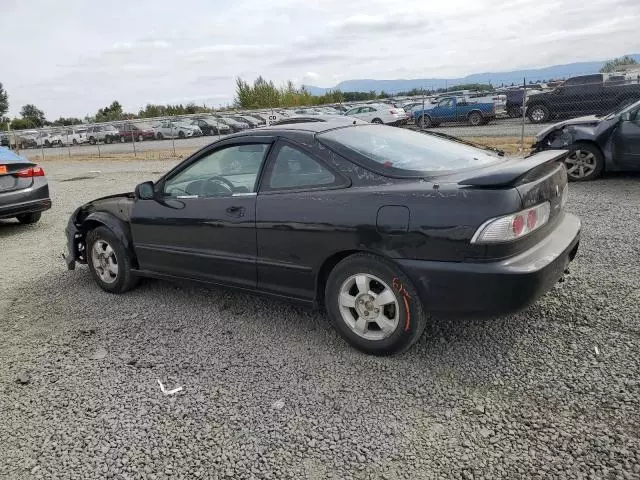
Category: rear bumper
[496,288]
[29,200]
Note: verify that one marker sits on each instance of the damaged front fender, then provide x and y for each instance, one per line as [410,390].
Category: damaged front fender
[77,229]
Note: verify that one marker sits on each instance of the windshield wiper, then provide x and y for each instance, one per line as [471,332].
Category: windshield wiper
[466,142]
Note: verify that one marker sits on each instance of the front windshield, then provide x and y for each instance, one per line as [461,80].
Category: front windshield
[407,151]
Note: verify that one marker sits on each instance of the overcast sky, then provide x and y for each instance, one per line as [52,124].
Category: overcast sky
[72,57]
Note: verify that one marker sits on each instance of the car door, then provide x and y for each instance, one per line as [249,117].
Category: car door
[367,113]
[626,142]
[444,111]
[204,126]
[353,112]
[295,212]
[201,223]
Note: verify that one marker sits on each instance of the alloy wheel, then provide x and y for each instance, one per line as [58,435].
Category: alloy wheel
[368,306]
[580,164]
[537,114]
[104,261]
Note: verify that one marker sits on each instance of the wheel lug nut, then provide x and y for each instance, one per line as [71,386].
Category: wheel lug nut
[366,312]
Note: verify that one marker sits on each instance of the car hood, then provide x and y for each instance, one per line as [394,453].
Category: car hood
[583,121]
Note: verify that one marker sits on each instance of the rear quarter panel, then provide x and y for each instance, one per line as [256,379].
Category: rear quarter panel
[298,232]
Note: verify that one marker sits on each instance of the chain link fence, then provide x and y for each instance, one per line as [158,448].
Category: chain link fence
[501,112]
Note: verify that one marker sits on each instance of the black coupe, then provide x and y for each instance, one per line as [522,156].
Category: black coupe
[380,225]
[596,144]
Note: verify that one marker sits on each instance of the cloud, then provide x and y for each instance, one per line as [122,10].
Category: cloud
[305,59]
[359,24]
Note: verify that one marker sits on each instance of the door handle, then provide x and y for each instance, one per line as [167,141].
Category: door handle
[235,211]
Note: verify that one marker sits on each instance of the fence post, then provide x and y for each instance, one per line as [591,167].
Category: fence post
[15,139]
[42,146]
[133,140]
[173,140]
[422,114]
[524,112]
[98,145]
[68,144]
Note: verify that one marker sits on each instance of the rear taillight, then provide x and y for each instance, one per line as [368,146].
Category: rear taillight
[514,226]
[36,171]
[3,169]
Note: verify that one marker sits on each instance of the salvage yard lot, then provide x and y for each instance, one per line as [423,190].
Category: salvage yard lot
[271,391]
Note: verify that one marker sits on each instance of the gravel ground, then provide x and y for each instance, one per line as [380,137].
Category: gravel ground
[271,391]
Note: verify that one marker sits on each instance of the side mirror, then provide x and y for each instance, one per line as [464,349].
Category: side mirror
[144,191]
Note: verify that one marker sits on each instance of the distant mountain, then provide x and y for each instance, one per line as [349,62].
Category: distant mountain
[496,79]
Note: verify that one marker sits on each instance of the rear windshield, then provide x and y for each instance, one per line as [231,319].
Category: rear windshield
[392,150]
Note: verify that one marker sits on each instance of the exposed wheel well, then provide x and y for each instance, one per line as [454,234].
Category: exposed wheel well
[479,112]
[90,224]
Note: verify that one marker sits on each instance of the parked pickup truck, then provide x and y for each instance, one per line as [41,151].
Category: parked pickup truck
[455,109]
[584,95]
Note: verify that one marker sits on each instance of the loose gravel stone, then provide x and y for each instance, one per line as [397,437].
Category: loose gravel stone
[519,397]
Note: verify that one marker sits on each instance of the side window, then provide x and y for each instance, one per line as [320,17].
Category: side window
[228,171]
[294,169]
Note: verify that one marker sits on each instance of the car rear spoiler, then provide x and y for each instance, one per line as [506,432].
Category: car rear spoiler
[511,171]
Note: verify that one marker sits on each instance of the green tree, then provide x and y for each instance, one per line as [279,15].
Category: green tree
[4,101]
[615,64]
[22,124]
[110,113]
[62,122]
[34,115]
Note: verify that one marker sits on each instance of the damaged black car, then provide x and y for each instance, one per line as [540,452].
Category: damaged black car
[380,226]
[596,144]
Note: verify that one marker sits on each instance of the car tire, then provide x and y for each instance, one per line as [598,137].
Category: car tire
[346,302]
[92,140]
[159,136]
[109,262]
[74,141]
[587,156]
[475,119]
[538,113]
[47,144]
[377,121]
[29,218]
[108,139]
[181,134]
[122,139]
[140,138]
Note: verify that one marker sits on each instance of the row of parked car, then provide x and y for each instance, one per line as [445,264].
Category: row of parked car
[138,131]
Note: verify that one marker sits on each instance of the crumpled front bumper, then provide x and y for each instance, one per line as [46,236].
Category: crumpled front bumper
[75,245]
